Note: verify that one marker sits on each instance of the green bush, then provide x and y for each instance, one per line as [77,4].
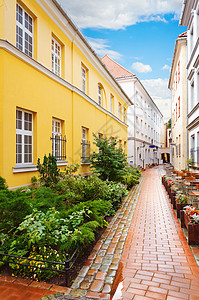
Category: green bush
[131,177]
[48,170]
[3,184]
[14,206]
[44,198]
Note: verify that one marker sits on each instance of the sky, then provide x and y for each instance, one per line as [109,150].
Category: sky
[138,34]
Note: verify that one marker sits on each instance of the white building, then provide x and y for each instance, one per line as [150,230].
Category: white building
[178,84]
[144,118]
[190,18]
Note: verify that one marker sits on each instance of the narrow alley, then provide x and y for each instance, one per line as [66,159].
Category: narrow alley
[143,254]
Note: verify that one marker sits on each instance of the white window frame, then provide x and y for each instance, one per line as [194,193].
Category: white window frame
[84,142]
[99,94]
[83,78]
[124,115]
[56,56]
[23,133]
[111,103]
[24,31]
[56,132]
[119,110]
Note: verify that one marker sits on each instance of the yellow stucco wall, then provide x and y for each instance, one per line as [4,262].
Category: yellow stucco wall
[30,85]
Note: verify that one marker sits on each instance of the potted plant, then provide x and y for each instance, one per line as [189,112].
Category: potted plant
[174,190]
[190,219]
[181,201]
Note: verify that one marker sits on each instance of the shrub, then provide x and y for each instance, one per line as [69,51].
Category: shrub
[49,172]
[110,162]
[45,198]
[3,184]
[14,206]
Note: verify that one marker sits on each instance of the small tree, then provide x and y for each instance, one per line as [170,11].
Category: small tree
[49,172]
[110,162]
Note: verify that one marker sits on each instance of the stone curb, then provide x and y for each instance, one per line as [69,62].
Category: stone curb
[97,276]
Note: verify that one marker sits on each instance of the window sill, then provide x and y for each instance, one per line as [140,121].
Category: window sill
[61,163]
[85,163]
[25,168]
[33,168]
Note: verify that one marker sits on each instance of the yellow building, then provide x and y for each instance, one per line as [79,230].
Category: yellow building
[54,91]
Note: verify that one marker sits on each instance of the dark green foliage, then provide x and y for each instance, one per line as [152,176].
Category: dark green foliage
[110,161]
[14,206]
[3,184]
[131,177]
[44,198]
[49,172]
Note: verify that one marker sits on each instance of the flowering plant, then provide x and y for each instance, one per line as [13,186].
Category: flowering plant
[174,188]
[193,213]
[182,198]
[171,182]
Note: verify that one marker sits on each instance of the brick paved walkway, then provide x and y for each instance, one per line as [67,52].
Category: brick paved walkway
[143,254]
[157,262]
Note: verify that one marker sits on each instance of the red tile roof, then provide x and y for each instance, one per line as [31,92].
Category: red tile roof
[115,69]
[184,34]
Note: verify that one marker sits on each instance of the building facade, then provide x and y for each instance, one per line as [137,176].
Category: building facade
[190,18]
[144,118]
[55,92]
[177,84]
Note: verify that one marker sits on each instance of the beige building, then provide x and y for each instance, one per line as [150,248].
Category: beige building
[190,18]
[144,119]
[177,84]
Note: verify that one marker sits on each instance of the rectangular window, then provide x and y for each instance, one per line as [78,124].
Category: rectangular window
[124,147]
[99,95]
[58,142]
[124,115]
[24,31]
[176,111]
[85,145]
[83,79]
[24,137]
[56,57]
[178,72]
[192,148]
[112,103]
[119,110]
[178,107]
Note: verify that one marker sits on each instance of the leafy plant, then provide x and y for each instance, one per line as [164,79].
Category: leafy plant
[110,162]
[182,198]
[49,172]
[3,184]
[14,206]
[190,162]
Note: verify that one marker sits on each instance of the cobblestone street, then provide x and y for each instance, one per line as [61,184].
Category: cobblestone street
[143,254]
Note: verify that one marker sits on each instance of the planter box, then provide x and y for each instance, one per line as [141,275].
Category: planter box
[179,207]
[173,202]
[192,229]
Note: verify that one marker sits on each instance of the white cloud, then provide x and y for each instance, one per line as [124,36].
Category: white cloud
[166,67]
[141,68]
[101,47]
[161,95]
[117,14]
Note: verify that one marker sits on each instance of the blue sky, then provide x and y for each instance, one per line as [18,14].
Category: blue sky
[139,35]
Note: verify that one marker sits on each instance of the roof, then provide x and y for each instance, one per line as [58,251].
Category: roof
[182,35]
[115,69]
[120,72]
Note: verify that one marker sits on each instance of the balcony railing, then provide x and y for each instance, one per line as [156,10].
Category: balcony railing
[59,147]
[85,151]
